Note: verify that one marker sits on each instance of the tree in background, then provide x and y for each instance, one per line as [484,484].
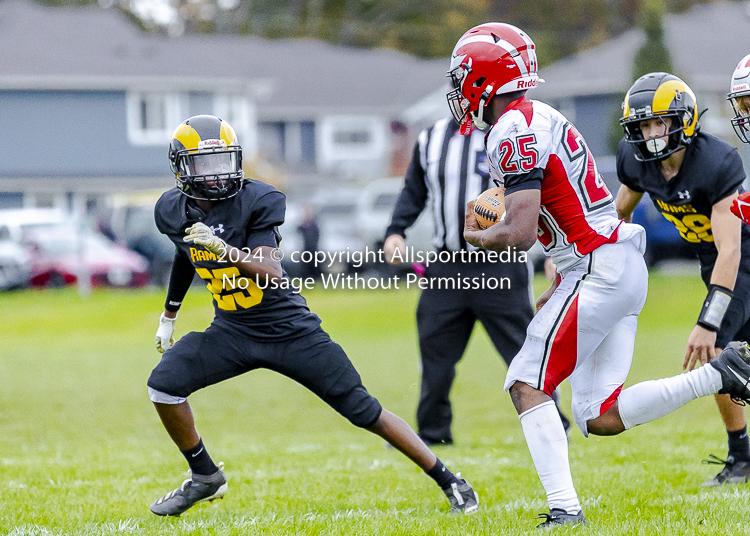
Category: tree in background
[426,28]
[560,29]
[653,56]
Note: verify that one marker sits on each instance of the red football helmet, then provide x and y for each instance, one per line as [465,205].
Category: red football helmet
[741,88]
[488,60]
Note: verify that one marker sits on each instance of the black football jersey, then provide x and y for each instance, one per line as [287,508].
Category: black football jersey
[712,170]
[246,221]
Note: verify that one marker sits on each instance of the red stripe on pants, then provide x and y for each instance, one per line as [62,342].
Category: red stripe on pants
[564,352]
[610,401]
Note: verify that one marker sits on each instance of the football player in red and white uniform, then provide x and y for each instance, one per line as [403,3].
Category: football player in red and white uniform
[739,96]
[585,328]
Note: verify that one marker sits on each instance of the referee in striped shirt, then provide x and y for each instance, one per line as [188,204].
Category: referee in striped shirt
[447,170]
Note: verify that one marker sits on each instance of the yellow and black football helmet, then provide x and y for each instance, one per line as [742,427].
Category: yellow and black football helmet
[206,158]
[659,95]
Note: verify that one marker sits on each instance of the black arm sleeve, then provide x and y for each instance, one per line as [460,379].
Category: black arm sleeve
[412,199]
[531,180]
[180,279]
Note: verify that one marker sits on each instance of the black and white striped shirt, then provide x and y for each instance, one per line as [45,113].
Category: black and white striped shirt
[447,170]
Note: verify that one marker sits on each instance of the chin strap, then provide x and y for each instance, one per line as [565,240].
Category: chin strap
[697,127]
[483,100]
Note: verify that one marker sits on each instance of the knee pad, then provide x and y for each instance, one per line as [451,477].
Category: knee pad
[159,397]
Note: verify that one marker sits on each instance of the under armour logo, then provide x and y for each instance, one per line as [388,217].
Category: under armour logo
[684,195]
[218,229]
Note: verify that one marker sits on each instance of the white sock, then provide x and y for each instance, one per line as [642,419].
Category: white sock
[647,401]
[548,446]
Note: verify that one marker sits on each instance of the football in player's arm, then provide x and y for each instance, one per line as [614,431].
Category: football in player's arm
[225,229]
[693,178]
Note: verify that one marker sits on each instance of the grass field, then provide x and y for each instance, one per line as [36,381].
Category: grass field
[83,452]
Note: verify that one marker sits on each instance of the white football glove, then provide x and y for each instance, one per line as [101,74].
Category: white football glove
[201,234]
[165,333]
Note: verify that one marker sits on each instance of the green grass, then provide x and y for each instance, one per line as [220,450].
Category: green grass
[83,452]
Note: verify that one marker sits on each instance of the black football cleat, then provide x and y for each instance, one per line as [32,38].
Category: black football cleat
[558,516]
[196,489]
[734,365]
[462,496]
[734,472]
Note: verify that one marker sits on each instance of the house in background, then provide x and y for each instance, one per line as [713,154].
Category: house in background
[88,104]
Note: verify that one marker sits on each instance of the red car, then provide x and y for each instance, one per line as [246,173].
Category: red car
[59,255]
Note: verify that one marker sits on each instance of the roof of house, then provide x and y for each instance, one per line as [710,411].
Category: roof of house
[705,44]
[92,48]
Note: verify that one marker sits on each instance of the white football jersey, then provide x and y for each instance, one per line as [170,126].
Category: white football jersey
[533,141]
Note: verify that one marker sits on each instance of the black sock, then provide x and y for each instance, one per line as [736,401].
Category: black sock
[739,446]
[199,461]
[440,474]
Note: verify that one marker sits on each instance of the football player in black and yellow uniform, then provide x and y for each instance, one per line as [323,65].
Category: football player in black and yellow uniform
[225,228]
[692,178]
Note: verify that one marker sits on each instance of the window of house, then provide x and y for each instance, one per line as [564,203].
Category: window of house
[239,112]
[307,135]
[352,137]
[152,117]
[348,138]
[271,141]
[235,110]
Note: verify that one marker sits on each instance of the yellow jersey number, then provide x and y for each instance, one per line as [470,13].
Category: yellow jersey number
[223,280]
[694,228]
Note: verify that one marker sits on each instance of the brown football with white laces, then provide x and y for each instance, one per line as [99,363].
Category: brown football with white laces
[490,207]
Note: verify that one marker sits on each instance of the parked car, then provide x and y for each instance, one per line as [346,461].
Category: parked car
[61,254]
[15,265]
[132,222]
[336,212]
[17,224]
[376,208]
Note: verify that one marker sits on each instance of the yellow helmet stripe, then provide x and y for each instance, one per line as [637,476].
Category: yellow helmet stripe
[227,133]
[665,93]
[187,136]
[664,96]
[626,105]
